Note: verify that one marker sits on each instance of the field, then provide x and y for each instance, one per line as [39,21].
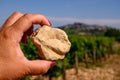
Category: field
[108,71]
[91,57]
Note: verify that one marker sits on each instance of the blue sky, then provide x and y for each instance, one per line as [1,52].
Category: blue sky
[61,12]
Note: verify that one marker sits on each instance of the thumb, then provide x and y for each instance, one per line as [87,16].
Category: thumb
[40,66]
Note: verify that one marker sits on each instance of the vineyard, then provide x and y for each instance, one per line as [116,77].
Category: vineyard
[89,50]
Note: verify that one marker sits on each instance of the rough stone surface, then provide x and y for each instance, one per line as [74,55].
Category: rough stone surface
[52,43]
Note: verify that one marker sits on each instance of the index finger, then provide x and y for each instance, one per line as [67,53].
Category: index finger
[15,16]
[27,20]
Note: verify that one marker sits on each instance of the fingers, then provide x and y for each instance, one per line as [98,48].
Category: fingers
[27,33]
[27,20]
[12,19]
[23,23]
[40,66]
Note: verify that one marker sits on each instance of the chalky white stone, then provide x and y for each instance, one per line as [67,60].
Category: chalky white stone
[52,43]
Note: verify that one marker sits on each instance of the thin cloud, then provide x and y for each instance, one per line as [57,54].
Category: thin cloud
[89,21]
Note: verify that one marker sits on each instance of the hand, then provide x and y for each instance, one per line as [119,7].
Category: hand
[13,63]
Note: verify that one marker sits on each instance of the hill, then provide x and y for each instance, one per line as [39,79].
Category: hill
[84,29]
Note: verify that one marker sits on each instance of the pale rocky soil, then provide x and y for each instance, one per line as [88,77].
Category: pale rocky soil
[110,71]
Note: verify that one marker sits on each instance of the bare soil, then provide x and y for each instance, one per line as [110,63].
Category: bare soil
[110,71]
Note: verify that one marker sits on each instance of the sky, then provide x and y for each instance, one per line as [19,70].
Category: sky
[62,12]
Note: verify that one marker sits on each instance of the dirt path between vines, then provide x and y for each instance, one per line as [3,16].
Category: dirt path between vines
[114,63]
[110,71]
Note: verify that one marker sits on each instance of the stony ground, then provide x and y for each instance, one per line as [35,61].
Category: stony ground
[114,63]
[110,71]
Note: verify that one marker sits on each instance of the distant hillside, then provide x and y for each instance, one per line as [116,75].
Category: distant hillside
[84,29]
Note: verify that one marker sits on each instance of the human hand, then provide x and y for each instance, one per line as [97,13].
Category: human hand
[13,63]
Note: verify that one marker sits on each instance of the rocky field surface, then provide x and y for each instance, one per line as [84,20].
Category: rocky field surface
[110,71]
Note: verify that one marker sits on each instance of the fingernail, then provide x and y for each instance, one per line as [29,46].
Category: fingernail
[53,64]
[50,23]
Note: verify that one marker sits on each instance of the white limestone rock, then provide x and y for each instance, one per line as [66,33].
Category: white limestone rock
[52,43]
